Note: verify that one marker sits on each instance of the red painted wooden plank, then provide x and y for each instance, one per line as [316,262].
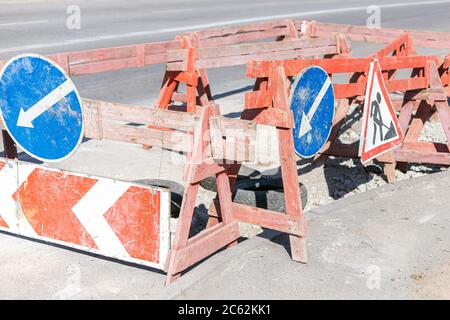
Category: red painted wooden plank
[267,219]
[205,246]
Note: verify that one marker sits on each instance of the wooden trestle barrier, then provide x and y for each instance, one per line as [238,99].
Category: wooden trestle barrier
[186,132]
[233,46]
[234,139]
[230,46]
[425,91]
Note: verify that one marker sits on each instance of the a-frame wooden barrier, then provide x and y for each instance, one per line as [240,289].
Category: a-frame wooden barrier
[195,80]
[424,87]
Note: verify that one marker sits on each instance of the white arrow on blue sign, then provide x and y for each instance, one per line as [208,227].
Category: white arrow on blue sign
[312,103]
[40,107]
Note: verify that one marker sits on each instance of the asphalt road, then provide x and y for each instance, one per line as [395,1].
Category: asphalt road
[40,27]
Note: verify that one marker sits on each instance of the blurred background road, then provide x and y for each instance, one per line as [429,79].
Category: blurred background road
[40,27]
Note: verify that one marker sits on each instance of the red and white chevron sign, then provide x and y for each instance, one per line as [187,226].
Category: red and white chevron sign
[113,218]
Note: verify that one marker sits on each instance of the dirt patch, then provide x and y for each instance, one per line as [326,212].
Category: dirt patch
[434,285]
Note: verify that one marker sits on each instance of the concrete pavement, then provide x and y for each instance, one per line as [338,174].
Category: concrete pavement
[390,242]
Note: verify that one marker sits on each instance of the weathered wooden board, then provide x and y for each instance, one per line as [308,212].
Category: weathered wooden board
[429,39]
[263,69]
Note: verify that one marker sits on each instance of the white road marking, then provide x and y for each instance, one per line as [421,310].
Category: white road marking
[90,210]
[26,117]
[11,180]
[11,24]
[209,25]
[426,218]
[266,148]
[305,125]
[172,11]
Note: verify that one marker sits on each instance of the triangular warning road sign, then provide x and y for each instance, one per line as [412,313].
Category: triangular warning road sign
[380,130]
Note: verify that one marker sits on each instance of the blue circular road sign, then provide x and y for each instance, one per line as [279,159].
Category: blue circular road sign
[40,108]
[312,102]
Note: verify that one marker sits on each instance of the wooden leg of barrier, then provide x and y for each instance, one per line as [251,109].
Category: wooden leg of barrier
[213,214]
[292,30]
[291,194]
[232,171]
[191,98]
[9,146]
[289,171]
[405,115]
[183,229]
[205,86]
[189,198]
[411,134]
[390,164]
[418,122]
[444,114]
[168,88]
[404,118]
[389,169]
[187,251]
[224,194]
[442,106]
[343,47]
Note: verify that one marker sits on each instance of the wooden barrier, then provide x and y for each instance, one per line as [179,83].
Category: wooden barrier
[211,141]
[228,47]
[114,121]
[111,59]
[419,39]
[425,39]
[214,146]
[222,229]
